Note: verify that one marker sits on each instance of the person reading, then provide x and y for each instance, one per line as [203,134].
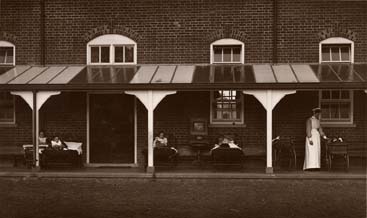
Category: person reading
[56,143]
[162,141]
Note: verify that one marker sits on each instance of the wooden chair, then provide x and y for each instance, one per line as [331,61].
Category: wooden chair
[285,145]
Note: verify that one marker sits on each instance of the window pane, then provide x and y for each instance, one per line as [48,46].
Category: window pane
[334,111]
[237,54]
[119,54]
[335,94]
[345,110]
[227,54]
[2,56]
[105,54]
[335,54]
[9,55]
[345,94]
[129,53]
[325,112]
[345,53]
[94,52]
[6,55]
[325,95]
[226,114]
[325,53]
[217,54]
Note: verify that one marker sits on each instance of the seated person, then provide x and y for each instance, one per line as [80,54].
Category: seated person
[162,141]
[56,143]
[225,142]
[42,139]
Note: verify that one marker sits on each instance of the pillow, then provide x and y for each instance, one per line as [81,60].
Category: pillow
[76,146]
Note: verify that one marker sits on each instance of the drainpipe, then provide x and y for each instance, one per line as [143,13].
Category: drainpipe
[42,32]
[275,31]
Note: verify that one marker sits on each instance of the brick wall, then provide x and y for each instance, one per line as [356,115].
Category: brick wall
[20,19]
[178,31]
[21,133]
[300,23]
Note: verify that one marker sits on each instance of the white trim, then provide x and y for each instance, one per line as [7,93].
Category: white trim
[8,44]
[338,121]
[111,40]
[228,41]
[134,164]
[228,123]
[336,41]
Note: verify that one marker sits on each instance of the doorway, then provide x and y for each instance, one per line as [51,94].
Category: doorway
[111,129]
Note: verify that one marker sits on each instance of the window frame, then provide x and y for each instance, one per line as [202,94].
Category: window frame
[337,41]
[350,100]
[111,41]
[226,122]
[14,113]
[8,44]
[226,42]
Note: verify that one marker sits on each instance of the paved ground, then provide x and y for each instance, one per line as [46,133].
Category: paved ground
[181,198]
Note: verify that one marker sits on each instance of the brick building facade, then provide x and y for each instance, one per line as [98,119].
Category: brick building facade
[181,32]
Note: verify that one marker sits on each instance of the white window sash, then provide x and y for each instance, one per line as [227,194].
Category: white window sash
[230,109]
[338,120]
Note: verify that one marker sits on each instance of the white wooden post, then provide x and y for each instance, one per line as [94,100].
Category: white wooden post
[269,99]
[150,100]
[269,133]
[41,98]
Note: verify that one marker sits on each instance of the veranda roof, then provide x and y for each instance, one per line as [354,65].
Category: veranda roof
[184,77]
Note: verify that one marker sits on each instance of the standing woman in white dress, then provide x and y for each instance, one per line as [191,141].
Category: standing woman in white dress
[313,142]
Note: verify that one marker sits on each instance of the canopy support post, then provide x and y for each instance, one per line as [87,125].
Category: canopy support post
[35,100]
[150,100]
[269,99]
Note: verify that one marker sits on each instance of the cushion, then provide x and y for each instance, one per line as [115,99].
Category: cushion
[76,146]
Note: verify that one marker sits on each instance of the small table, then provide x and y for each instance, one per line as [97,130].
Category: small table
[199,146]
[337,149]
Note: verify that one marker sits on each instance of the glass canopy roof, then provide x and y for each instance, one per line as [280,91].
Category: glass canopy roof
[191,76]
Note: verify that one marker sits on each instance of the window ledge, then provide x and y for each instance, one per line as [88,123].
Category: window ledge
[8,125]
[338,125]
[227,125]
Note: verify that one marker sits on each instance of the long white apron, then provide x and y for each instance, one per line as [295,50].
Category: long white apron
[312,152]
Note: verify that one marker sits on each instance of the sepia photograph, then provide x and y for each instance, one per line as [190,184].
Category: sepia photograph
[183,108]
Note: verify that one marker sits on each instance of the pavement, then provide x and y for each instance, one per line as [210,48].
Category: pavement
[189,196]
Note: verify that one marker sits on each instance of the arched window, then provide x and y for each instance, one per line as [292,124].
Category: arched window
[227,51]
[7,53]
[111,49]
[336,49]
